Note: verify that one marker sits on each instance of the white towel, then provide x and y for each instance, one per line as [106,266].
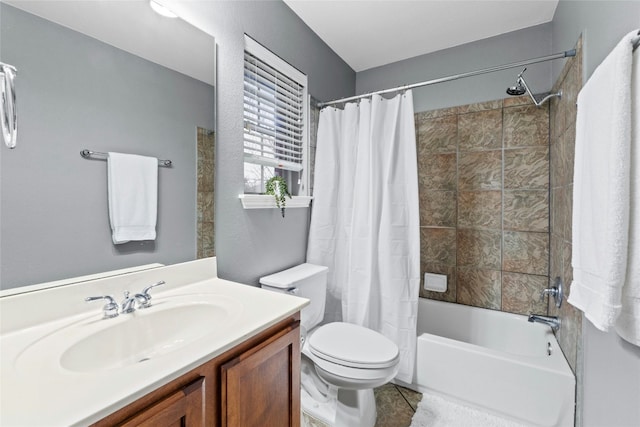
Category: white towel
[133,196]
[601,188]
[628,324]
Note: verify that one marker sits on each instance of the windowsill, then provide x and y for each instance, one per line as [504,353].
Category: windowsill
[262,201]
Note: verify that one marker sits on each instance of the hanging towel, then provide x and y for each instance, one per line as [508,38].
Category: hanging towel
[133,196]
[628,324]
[601,188]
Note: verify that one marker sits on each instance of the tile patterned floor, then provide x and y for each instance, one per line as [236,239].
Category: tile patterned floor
[396,405]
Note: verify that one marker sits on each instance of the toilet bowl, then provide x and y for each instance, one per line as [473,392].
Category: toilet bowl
[341,362]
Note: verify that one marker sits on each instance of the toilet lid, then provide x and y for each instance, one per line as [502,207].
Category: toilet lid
[353,345]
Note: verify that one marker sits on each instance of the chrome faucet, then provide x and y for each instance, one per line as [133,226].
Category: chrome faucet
[552,321]
[110,309]
[130,302]
[141,300]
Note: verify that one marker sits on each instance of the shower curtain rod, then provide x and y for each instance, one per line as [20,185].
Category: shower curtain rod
[564,54]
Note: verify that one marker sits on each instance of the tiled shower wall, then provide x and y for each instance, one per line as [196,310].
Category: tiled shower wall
[563,134]
[484,203]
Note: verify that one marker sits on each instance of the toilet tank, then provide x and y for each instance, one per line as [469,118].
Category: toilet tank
[306,281]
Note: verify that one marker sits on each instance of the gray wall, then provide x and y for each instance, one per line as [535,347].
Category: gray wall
[602,24]
[611,366]
[251,243]
[611,379]
[75,92]
[507,48]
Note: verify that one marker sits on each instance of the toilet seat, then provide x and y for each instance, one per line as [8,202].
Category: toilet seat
[354,378]
[353,346]
[351,356]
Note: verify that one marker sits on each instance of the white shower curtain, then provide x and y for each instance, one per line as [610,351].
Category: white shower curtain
[365,218]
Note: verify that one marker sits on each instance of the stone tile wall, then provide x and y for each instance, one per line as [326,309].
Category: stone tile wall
[484,202]
[563,134]
[205,192]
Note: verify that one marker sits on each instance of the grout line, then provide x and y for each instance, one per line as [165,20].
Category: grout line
[550,204]
[405,399]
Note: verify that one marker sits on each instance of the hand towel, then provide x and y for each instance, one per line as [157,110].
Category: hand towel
[601,188]
[628,324]
[133,196]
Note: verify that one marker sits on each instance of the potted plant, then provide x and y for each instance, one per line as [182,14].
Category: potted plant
[277,187]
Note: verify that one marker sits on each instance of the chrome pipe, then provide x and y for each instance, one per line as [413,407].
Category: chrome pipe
[552,321]
[533,98]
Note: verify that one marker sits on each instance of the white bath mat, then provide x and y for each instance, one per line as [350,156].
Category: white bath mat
[436,411]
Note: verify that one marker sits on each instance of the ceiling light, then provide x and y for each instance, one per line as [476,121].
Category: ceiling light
[161,10]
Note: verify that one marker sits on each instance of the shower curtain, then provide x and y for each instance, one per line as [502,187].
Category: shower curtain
[365,218]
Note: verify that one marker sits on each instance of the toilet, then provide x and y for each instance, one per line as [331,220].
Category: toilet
[341,362]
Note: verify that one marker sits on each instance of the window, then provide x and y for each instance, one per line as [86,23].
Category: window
[275,121]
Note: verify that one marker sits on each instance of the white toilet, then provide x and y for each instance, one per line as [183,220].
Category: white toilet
[341,362]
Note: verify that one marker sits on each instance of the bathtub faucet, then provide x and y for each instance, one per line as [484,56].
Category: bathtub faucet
[552,321]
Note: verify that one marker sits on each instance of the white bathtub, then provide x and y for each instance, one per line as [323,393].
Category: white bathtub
[493,360]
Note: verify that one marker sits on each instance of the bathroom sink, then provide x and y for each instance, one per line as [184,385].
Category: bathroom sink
[129,339]
[143,336]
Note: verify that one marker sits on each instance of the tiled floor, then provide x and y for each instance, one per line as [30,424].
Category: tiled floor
[396,405]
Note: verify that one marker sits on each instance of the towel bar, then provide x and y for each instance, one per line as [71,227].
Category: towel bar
[88,154]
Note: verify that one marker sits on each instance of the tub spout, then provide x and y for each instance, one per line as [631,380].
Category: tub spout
[552,321]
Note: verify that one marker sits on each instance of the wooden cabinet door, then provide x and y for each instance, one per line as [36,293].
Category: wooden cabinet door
[183,408]
[261,387]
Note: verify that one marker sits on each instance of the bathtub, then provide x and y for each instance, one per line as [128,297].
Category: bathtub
[493,360]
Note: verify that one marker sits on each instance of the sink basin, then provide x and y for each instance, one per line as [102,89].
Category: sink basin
[143,337]
[167,326]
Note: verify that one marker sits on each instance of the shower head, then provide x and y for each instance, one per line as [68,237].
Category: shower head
[520,86]
[516,90]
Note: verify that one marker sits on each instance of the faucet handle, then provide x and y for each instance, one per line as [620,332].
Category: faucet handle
[547,291]
[145,292]
[110,308]
[555,291]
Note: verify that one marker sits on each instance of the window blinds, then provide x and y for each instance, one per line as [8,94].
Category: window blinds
[274,109]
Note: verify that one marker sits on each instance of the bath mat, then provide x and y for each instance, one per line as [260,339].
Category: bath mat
[436,411]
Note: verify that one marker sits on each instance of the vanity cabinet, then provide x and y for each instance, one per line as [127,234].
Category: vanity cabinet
[258,386]
[182,408]
[254,384]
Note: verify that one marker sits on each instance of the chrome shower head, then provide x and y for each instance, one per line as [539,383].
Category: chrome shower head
[516,90]
[520,86]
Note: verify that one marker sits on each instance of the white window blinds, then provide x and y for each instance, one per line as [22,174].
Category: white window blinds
[275,110]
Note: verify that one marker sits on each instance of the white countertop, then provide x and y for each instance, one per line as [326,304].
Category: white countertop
[35,390]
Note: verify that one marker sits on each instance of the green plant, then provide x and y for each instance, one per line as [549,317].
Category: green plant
[277,187]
